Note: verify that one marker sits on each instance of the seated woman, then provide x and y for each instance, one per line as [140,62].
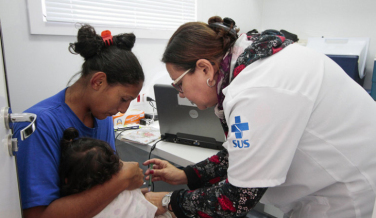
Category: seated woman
[87,162]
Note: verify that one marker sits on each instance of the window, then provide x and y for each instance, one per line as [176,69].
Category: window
[146,18]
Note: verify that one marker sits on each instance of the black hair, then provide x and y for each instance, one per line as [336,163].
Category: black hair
[85,162]
[117,61]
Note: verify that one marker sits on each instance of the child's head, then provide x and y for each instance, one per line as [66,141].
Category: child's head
[85,162]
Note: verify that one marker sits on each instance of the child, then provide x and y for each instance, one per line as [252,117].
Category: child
[86,162]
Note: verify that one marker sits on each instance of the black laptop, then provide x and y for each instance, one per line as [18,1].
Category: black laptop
[182,122]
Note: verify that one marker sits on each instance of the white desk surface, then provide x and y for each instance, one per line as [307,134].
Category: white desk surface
[180,154]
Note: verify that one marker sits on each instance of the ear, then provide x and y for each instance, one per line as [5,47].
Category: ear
[207,67]
[98,80]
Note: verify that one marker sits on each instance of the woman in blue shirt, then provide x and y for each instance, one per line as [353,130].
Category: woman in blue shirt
[111,78]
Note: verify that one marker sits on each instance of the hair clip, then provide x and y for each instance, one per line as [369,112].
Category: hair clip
[107,37]
[228,29]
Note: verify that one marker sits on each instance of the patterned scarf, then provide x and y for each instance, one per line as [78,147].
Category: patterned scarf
[264,45]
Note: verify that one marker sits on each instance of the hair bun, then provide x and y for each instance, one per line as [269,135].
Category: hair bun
[229,22]
[224,28]
[88,42]
[70,134]
[125,41]
[215,19]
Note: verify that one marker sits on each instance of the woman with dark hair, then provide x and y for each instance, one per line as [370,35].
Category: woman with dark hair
[300,132]
[111,77]
[86,163]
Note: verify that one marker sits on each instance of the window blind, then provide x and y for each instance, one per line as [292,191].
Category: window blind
[139,14]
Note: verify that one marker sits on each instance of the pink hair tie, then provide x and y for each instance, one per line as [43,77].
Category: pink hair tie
[107,37]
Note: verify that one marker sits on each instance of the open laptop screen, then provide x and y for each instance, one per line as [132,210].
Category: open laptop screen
[182,122]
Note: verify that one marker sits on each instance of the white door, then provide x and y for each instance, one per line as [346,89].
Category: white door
[9,194]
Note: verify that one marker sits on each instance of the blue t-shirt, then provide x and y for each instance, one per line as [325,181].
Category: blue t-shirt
[38,157]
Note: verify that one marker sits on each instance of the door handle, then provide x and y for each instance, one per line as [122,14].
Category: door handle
[10,118]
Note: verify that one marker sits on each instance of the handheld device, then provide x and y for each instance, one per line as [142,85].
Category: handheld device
[150,177]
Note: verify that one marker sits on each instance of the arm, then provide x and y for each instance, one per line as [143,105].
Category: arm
[38,162]
[91,202]
[219,201]
[224,200]
[208,172]
[205,173]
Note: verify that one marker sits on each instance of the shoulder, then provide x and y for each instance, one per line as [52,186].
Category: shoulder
[49,113]
[302,53]
[48,105]
[295,69]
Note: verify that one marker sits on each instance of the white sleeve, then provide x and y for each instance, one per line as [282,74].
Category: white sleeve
[265,126]
[129,204]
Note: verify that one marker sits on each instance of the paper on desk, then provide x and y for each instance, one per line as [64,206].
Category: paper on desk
[143,135]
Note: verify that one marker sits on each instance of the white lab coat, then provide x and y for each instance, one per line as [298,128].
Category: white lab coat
[311,134]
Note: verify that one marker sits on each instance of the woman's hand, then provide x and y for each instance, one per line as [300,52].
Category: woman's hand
[164,171]
[156,199]
[131,175]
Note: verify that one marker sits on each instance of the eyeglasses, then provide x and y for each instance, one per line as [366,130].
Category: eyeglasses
[175,83]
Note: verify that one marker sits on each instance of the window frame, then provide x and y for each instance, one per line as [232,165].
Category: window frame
[40,27]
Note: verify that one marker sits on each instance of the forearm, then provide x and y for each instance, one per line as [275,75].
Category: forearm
[208,172]
[84,204]
[218,201]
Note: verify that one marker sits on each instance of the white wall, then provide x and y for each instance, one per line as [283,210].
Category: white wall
[39,66]
[328,18]
[246,13]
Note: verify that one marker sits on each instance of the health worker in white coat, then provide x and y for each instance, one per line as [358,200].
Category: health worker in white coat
[300,132]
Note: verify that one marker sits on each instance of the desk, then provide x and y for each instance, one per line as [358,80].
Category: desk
[180,154]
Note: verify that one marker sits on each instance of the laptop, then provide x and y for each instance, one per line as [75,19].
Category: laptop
[180,121]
